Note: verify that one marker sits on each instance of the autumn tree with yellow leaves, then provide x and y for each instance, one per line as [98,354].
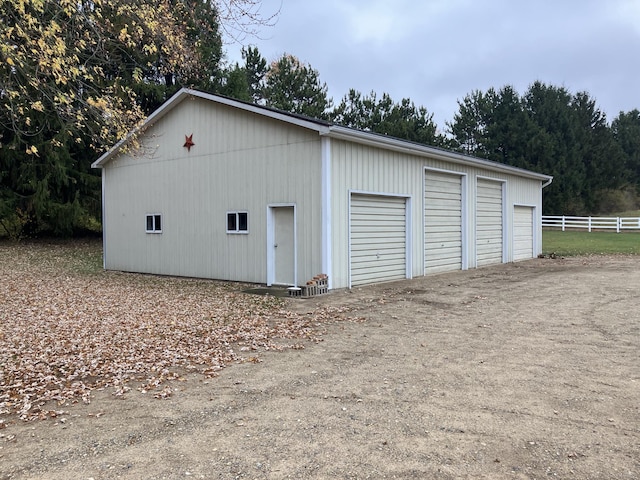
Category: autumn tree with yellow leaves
[76,75]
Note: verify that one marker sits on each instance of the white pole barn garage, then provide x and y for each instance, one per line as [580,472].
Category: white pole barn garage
[217,188]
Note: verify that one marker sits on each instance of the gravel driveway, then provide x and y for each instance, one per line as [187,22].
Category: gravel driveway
[527,370]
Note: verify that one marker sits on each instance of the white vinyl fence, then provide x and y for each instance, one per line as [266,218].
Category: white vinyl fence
[591,223]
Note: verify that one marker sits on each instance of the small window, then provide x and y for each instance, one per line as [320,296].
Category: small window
[154,223]
[242,221]
[237,222]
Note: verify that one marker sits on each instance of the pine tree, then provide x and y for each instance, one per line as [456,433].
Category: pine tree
[295,87]
[401,120]
[76,76]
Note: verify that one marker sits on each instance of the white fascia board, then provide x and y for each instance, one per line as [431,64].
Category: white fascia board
[382,141]
[265,112]
[150,120]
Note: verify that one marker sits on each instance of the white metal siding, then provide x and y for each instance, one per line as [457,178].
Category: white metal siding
[489,228]
[523,247]
[366,169]
[240,162]
[378,239]
[442,222]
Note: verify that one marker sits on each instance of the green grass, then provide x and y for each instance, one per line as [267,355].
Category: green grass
[628,213]
[573,243]
[75,256]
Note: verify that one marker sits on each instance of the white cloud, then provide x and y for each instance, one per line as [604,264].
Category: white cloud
[372,25]
[384,22]
[437,51]
[628,12]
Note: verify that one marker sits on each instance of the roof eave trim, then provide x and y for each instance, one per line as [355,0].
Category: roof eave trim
[265,112]
[165,108]
[366,138]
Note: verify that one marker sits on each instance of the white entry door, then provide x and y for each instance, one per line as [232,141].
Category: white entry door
[283,246]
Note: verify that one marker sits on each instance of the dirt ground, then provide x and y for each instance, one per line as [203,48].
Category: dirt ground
[528,370]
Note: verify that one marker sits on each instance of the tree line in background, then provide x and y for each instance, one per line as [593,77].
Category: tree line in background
[75,76]
[595,165]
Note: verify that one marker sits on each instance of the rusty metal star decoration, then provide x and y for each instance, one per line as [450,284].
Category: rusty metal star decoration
[188,142]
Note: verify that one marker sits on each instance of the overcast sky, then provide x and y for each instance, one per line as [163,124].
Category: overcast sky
[437,51]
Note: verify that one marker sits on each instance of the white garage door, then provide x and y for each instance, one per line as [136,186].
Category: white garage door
[522,233]
[489,228]
[442,222]
[378,249]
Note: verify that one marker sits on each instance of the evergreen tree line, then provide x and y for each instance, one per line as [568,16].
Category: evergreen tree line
[595,164]
[75,76]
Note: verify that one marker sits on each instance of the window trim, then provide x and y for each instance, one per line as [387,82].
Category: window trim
[237,214]
[154,220]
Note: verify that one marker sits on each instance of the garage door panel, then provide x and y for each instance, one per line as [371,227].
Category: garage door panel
[386,233]
[378,239]
[488,194]
[451,243]
[439,266]
[367,277]
[444,219]
[441,182]
[488,255]
[391,253]
[446,255]
[444,238]
[440,263]
[450,240]
[363,228]
[488,206]
[488,249]
[375,206]
[375,220]
[442,222]
[442,229]
[488,233]
[522,249]
[489,212]
[488,188]
[442,197]
[390,235]
[387,263]
[444,210]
